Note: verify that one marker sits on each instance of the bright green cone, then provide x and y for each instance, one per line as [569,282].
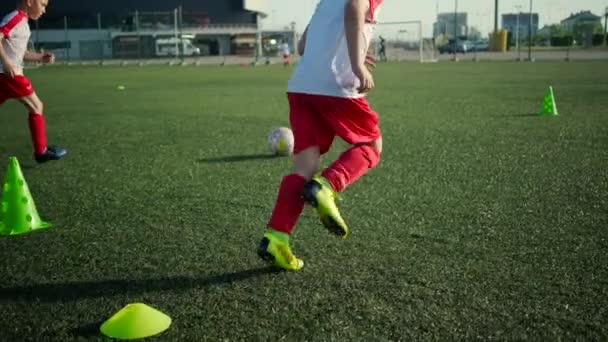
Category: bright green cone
[549,106]
[19,214]
[134,321]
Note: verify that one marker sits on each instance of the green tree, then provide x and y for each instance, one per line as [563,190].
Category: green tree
[557,30]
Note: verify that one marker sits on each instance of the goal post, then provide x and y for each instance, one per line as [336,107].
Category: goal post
[403,41]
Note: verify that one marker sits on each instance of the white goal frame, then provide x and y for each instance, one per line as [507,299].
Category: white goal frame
[421,58]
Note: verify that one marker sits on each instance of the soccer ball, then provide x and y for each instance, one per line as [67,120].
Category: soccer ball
[280,141]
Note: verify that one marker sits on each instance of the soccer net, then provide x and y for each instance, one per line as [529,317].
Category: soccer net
[402,41]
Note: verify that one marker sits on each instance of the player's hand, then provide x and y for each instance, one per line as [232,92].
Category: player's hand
[370,63]
[48,58]
[8,70]
[365,78]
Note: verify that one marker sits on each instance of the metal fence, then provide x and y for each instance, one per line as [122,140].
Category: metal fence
[175,37]
[413,48]
[156,37]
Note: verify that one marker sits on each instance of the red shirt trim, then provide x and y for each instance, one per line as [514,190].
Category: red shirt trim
[8,27]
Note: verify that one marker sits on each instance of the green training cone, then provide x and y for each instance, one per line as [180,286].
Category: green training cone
[549,106]
[19,214]
[135,320]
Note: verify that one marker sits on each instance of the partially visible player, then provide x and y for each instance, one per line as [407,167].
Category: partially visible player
[286,51]
[326,96]
[14,38]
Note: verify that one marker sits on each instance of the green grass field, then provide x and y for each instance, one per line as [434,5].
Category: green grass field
[483,221]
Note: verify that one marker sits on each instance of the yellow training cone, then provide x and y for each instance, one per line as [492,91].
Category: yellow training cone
[18,214]
[136,320]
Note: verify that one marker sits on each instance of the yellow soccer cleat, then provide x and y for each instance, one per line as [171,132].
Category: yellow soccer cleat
[319,193]
[274,249]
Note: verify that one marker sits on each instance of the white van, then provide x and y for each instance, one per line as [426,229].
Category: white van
[167,47]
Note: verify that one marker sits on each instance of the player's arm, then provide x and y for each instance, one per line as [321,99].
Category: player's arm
[32,56]
[44,57]
[6,64]
[302,42]
[355,12]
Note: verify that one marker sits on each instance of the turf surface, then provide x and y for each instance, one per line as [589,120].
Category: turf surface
[483,220]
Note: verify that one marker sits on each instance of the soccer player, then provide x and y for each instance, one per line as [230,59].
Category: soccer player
[382,53]
[286,51]
[326,96]
[14,38]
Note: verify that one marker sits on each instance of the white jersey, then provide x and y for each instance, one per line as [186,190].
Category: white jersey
[325,68]
[16,33]
[285,49]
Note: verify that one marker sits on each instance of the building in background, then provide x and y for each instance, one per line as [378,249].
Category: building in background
[510,24]
[92,30]
[115,13]
[583,18]
[448,22]
[585,28]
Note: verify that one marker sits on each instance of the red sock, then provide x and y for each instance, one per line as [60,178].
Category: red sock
[38,131]
[351,165]
[289,204]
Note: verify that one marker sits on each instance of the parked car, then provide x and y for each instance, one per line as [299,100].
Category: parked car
[480,45]
[173,46]
[454,46]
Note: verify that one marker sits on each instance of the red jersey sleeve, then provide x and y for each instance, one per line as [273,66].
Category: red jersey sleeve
[373,5]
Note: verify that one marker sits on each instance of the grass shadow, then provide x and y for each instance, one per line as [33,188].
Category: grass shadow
[425,238]
[89,330]
[523,115]
[239,158]
[73,291]
[27,166]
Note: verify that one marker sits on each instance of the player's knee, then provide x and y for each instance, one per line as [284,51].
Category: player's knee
[306,169]
[377,145]
[35,106]
[306,163]
[39,107]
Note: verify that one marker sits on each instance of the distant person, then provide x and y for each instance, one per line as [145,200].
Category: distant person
[14,37]
[326,96]
[267,53]
[286,52]
[382,52]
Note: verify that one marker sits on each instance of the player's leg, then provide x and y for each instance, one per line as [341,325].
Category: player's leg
[37,124]
[20,88]
[352,164]
[4,89]
[355,122]
[275,247]
[311,140]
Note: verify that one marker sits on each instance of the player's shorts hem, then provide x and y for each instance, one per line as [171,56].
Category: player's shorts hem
[14,87]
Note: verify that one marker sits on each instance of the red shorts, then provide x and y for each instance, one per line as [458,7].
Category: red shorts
[316,120]
[16,87]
